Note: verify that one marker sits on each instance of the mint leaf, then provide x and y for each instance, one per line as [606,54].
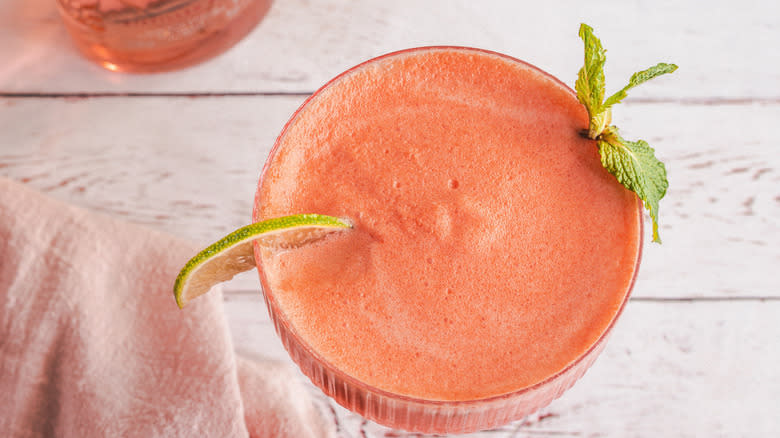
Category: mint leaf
[590,80]
[635,166]
[638,78]
[633,163]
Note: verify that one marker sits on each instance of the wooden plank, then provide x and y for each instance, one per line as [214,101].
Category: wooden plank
[301,44]
[682,369]
[720,220]
[186,166]
[190,166]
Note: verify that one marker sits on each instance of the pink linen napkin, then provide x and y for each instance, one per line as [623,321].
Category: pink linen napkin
[93,345]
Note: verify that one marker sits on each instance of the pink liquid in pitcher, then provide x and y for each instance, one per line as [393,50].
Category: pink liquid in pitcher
[158,35]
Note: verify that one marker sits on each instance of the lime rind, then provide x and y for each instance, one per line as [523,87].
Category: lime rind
[234,253]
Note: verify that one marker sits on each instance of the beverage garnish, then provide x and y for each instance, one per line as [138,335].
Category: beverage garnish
[234,253]
[633,163]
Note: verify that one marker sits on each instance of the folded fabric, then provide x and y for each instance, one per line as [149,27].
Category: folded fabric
[93,345]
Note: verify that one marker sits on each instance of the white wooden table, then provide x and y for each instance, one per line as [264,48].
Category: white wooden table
[696,352]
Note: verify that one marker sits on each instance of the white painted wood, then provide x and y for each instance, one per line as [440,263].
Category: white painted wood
[186,166]
[725,48]
[670,369]
[189,167]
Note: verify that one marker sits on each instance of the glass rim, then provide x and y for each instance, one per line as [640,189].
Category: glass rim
[271,302]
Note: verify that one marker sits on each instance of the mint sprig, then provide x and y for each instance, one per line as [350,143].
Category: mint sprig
[633,163]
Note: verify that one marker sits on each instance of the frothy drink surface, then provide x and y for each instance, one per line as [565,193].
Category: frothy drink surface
[490,249]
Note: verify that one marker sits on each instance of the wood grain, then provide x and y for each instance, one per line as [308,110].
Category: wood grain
[189,166]
[670,369]
[726,50]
